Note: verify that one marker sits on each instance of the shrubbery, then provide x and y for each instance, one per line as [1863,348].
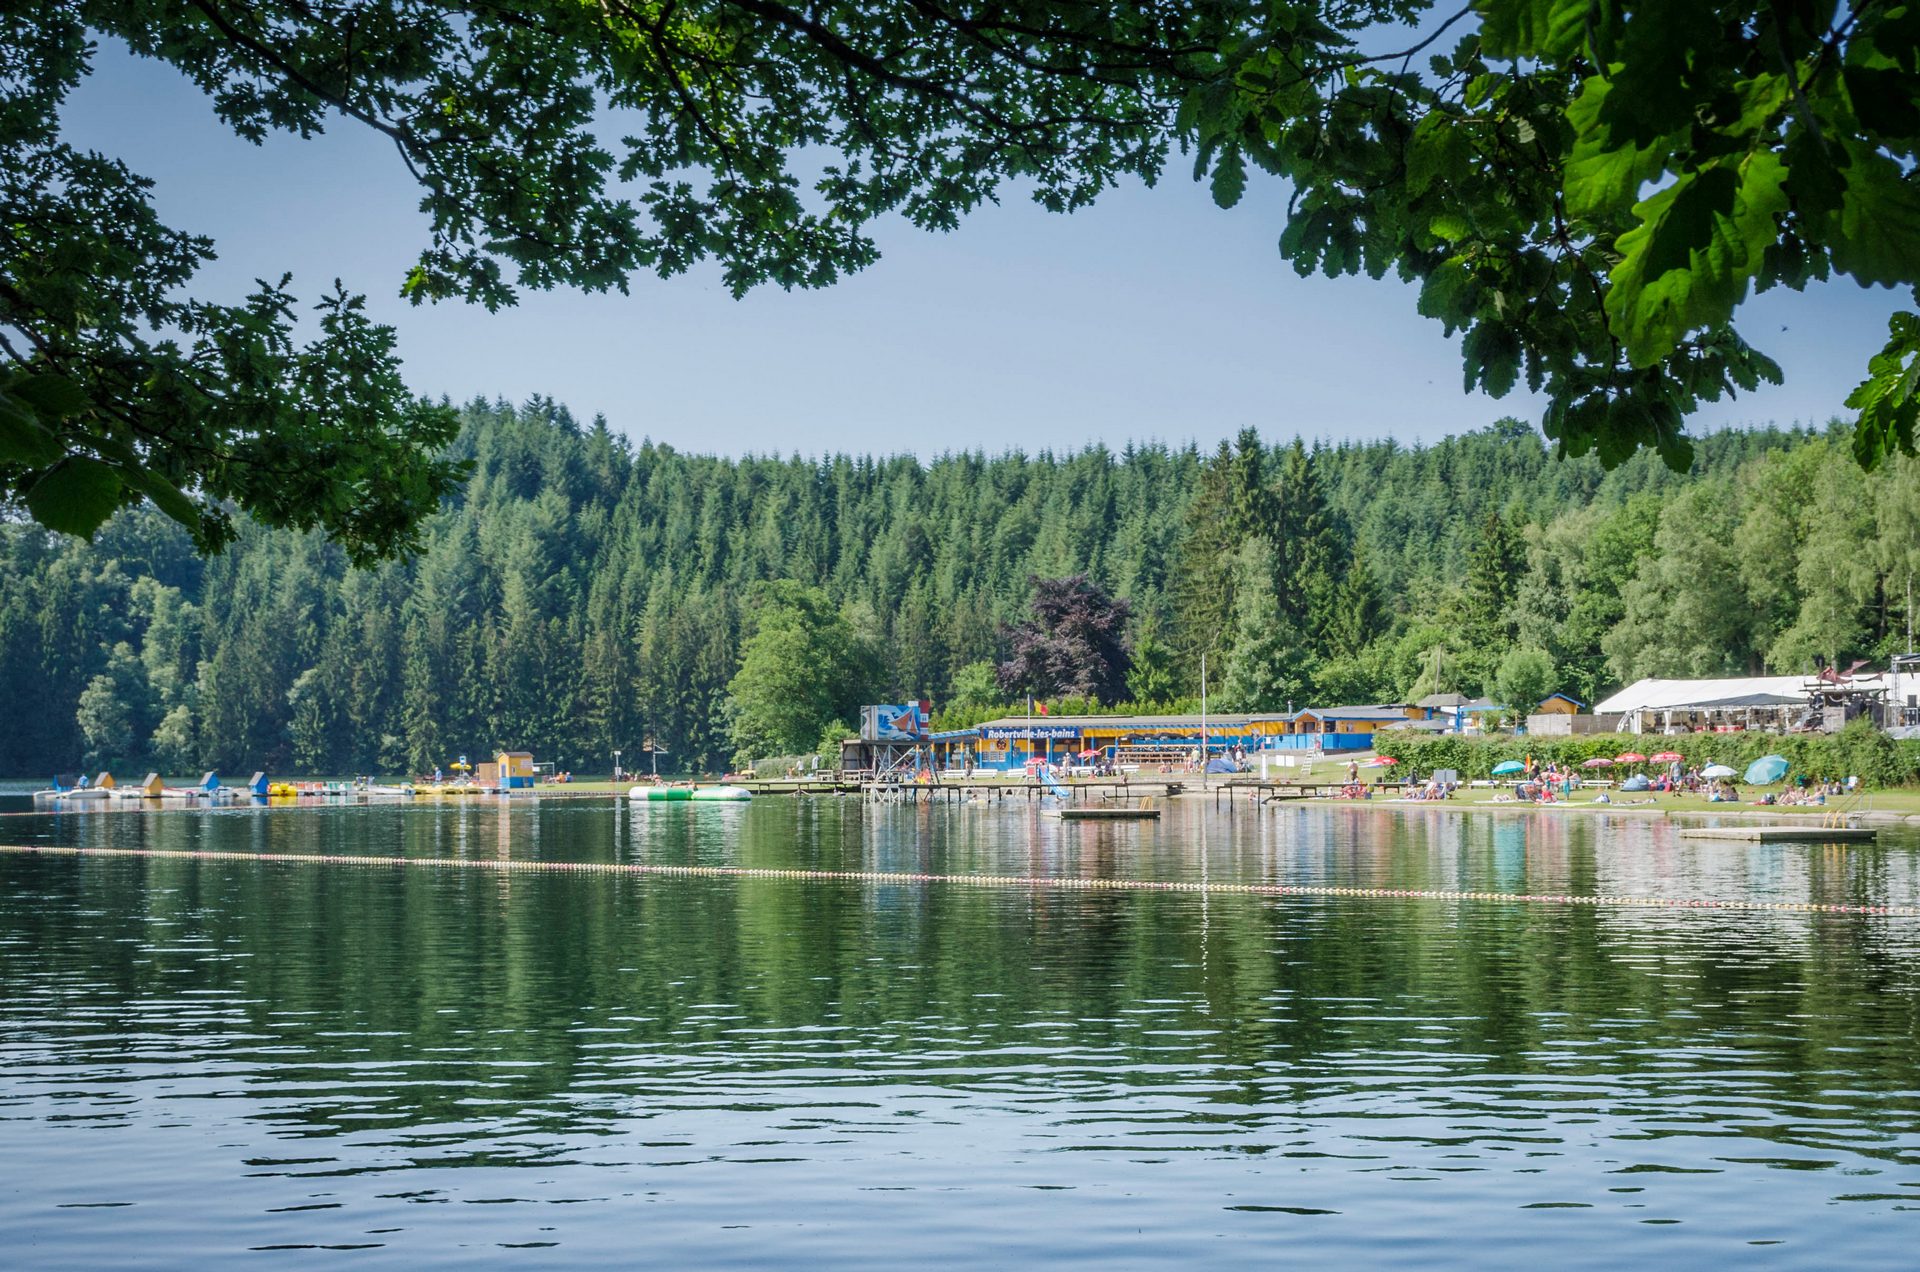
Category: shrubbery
[1859,750]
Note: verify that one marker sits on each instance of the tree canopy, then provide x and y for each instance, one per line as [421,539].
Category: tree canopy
[1586,191]
[579,594]
[1074,642]
[802,670]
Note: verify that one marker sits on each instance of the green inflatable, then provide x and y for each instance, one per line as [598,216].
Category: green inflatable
[701,794]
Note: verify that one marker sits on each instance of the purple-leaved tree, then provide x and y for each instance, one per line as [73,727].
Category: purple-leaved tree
[1075,643]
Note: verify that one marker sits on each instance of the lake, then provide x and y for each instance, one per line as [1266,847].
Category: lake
[209,1063]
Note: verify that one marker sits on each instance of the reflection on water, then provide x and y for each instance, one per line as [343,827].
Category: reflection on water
[201,1060]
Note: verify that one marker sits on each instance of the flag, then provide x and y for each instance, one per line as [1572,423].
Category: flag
[1043,708]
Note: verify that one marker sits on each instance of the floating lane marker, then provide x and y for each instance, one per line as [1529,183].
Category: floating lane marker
[1038,882]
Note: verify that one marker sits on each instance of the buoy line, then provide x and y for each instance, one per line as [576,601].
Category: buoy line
[1044,882]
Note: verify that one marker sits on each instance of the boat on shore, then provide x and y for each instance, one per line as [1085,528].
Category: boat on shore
[694,794]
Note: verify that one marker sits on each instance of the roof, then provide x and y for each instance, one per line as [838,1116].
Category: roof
[1437,701]
[1731,691]
[1193,721]
[1569,697]
[1356,713]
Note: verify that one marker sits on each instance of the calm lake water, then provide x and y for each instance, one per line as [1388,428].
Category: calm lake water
[212,1063]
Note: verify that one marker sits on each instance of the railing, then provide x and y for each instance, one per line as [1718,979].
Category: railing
[1848,811]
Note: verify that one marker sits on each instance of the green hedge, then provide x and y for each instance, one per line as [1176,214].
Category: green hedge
[1859,750]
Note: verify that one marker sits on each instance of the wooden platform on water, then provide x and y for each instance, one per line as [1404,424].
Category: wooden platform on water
[1109,814]
[1774,833]
[977,791]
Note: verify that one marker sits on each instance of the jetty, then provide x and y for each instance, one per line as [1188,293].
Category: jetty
[1775,832]
[1107,790]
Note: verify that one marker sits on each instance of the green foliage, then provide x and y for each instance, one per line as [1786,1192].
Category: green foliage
[1152,677]
[974,686]
[1889,398]
[582,594]
[115,712]
[1587,192]
[1590,191]
[1524,679]
[801,670]
[1493,581]
[1269,666]
[1859,750]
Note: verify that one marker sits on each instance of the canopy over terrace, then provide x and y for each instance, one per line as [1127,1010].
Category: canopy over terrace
[1011,741]
[1773,702]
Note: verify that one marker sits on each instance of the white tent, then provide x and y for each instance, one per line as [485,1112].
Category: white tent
[1736,691]
[1653,704]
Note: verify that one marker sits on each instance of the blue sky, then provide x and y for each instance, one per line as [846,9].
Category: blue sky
[1154,315]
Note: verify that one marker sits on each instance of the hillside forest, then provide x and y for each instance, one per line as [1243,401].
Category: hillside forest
[581,593]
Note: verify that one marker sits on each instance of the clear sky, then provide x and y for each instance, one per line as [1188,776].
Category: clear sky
[1154,315]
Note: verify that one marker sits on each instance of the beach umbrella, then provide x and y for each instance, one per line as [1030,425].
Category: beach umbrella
[1629,757]
[1508,766]
[1598,761]
[1669,757]
[1768,768]
[1089,753]
[1716,771]
[1380,761]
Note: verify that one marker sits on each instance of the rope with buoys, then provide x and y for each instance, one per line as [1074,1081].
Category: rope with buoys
[1065,883]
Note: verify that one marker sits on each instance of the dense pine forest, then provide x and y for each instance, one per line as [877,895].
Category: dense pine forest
[584,593]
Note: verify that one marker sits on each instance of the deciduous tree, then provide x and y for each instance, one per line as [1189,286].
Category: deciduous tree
[1075,642]
[1586,192]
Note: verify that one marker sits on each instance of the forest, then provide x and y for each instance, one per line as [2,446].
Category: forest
[580,593]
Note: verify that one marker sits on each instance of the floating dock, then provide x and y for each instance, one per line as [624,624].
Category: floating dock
[1109,814]
[1774,833]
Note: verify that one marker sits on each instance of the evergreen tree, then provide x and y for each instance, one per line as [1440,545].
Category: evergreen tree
[1492,583]
[1204,571]
[576,594]
[1270,666]
[1153,677]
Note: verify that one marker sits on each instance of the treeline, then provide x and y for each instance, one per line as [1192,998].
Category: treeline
[584,594]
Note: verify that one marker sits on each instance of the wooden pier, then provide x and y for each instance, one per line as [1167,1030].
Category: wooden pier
[1120,791]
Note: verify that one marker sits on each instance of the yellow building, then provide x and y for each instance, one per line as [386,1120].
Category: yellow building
[514,769]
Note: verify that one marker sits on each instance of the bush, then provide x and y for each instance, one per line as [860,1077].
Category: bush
[1860,750]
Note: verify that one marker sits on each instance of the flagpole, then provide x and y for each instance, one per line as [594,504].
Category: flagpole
[1203,720]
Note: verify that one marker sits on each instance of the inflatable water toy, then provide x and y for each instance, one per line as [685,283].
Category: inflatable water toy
[699,794]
